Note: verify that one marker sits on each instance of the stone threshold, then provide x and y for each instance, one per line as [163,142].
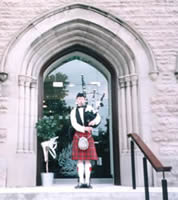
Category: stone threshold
[71,188]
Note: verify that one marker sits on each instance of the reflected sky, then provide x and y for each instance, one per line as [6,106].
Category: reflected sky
[94,80]
[75,70]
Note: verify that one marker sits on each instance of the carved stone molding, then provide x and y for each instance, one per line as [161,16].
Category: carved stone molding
[21,80]
[128,80]
[3,104]
[122,82]
[134,79]
[3,135]
[33,83]
[154,75]
[26,81]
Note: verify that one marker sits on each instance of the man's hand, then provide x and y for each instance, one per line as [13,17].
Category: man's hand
[92,123]
[88,129]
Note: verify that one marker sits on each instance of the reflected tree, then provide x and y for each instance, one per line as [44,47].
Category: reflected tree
[55,91]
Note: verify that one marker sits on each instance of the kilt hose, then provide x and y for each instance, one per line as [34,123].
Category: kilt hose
[89,154]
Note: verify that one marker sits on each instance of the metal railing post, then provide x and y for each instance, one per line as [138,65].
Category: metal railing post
[155,163]
[133,165]
[147,196]
[164,188]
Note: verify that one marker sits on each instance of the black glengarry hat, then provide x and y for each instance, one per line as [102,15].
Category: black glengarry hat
[80,94]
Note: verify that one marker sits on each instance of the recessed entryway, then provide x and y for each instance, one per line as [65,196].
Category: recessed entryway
[80,73]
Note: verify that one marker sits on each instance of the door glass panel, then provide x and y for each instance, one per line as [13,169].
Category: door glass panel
[61,86]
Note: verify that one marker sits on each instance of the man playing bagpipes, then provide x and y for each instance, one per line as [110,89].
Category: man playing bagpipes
[83,119]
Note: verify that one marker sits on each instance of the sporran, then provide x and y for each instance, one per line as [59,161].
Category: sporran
[83,143]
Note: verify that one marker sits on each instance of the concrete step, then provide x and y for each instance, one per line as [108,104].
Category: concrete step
[68,192]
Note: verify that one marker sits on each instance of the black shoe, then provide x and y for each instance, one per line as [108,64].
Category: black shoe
[83,185]
[89,186]
[80,185]
[77,186]
[86,186]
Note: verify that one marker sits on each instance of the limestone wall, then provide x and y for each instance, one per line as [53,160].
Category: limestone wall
[156,20]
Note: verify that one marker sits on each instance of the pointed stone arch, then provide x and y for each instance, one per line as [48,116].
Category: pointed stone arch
[96,33]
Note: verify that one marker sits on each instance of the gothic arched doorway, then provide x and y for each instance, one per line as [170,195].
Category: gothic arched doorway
[70,72]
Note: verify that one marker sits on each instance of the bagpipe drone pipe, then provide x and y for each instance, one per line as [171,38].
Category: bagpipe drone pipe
[91,115]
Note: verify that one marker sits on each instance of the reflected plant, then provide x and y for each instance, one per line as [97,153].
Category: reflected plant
[47,127]
[66,164]
[47,132]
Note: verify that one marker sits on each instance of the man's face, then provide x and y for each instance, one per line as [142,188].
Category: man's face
[80,101]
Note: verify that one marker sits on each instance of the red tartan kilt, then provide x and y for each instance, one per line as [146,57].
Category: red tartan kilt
[89,154]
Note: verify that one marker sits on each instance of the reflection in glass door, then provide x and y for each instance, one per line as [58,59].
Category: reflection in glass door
[60,88]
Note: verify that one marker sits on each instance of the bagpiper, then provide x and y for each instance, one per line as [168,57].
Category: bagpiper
[83,146]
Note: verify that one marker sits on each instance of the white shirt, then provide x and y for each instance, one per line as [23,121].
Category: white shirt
[76,125]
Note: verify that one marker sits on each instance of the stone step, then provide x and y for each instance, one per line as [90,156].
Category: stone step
[68,192]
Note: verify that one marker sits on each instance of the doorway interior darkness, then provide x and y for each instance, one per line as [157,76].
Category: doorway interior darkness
[60,81]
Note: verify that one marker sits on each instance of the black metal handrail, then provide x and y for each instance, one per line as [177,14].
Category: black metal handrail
[156,164]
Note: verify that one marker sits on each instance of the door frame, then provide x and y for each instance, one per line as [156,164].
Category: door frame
[114,102]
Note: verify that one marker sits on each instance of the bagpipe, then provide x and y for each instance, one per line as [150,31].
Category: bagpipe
[91,115]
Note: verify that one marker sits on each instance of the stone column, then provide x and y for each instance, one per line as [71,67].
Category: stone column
[128,104]
[26,114]
[33,116]
[21,117]
[134,84]
[122,114]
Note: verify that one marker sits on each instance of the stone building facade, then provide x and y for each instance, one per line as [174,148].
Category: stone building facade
[138,41]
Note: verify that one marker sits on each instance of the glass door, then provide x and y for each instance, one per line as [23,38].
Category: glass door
[60,88]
